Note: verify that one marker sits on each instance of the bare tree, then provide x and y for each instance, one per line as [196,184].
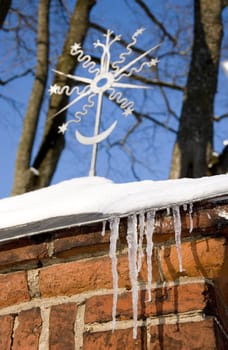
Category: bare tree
[194,144]
[194,128]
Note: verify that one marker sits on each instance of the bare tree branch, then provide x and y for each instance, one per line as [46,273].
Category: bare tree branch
[141,78]
[29,22]
[219,118]
[166,100]
[157,122]
[170,110]
[16,76]
[156,21]
[17,106]
[145,80]
[139,117]
[131,131]
[64,6]
[158,82]
[121,41]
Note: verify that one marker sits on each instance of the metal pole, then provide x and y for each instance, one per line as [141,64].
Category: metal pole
[92,171]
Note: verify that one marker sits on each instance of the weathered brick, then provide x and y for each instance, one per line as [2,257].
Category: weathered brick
[62,319]
[80,276]
[222,280]
[6,329]
[201,258]
[75,277]
[92,242]
[24,254]
[179,298]
[118,340]
[28,331]
[183,336]
[13,289]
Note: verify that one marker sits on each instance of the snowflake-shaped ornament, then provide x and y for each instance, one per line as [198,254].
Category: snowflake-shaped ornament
[106,78]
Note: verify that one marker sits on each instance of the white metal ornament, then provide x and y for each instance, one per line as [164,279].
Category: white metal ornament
[106,79]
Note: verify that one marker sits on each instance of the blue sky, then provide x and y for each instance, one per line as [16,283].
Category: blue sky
[151,145]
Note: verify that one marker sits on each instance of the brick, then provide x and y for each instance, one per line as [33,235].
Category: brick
[180,298]
[222,280]
[62,319]
[201,258]
[13,289]
[24,254]
[117,340]
[89,243]
[28,331]
[80,276]
[6,329]
[183,336]
[75,277]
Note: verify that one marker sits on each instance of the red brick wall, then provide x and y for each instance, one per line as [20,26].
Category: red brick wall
[56,289]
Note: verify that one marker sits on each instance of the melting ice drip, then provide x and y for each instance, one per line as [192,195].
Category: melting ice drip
[106,79]
[140,225]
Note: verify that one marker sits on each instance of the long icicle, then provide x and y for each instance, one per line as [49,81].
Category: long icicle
[150,224]
[177,229]
[190,217]
[132,261]
[114,235]
[103,228]
[141,234]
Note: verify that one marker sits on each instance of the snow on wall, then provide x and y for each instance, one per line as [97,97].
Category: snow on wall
[137,200]
[100,195]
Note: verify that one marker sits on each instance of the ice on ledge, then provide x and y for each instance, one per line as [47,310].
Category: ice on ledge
[100,195]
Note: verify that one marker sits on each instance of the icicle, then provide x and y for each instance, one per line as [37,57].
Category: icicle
[190,217]
[185,206]
[168,211]
[114,235]
[103,228]
[177,228]
[132,236]
[141,234]
[150,224]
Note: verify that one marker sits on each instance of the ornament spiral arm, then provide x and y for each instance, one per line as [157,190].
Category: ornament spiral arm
[78,115]
[123,102]
[66,89]
[134,70]
[123,55]
[86,60]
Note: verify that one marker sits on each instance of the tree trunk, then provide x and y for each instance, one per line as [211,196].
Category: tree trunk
[4,9]
[194,144]
[52,143]
[22,166]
